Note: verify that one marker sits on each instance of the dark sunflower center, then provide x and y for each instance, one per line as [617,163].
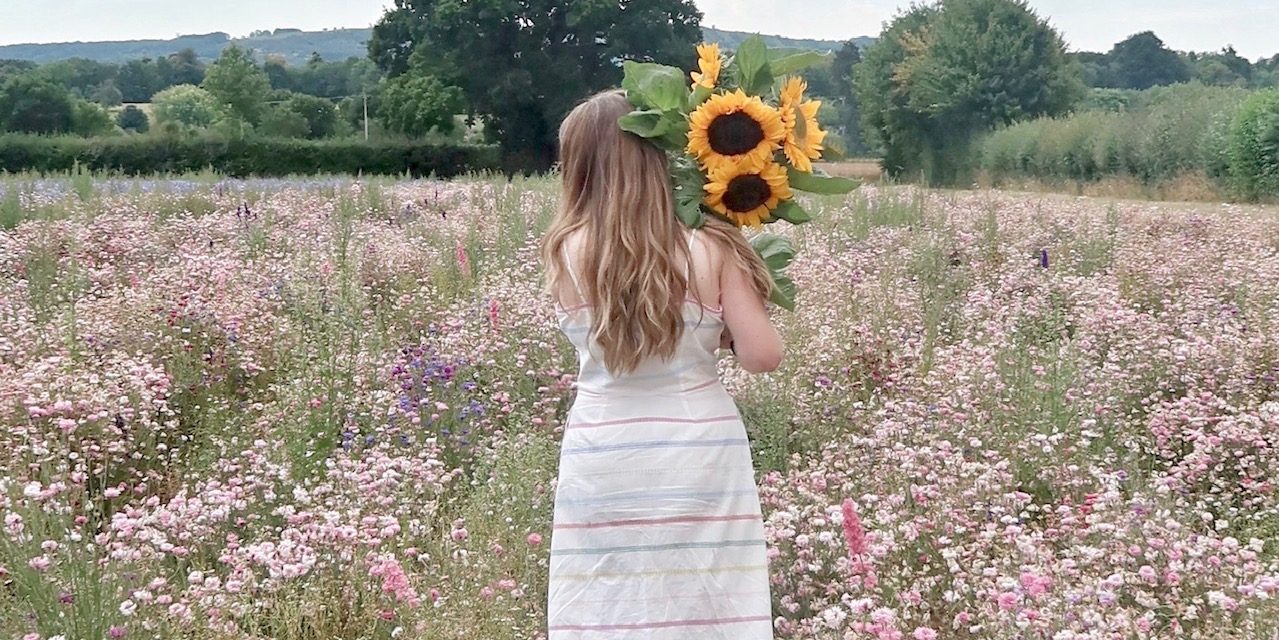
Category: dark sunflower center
[734,134]
[746,193]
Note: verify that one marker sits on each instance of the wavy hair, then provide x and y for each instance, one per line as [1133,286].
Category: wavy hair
[617,192]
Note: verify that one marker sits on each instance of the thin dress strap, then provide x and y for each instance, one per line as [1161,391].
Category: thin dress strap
[568,264]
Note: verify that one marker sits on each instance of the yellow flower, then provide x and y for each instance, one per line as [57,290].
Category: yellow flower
[747,196]
[736,130]
[803,142]
[709,62]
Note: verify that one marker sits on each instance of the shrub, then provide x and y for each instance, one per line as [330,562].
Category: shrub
[1163,134]
[141,155]
[132,118]
[1254,146]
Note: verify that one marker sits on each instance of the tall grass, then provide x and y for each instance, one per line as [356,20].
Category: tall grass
[1165,133]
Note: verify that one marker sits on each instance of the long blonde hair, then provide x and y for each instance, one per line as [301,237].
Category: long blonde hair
[617,190]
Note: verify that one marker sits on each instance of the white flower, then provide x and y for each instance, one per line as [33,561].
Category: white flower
[128,608]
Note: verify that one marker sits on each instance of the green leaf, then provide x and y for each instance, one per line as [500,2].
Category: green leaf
[668,129]
[790,211]
[751,60]
[654,86]
[787,64]
[699,95]
[646,124]
[784,291]
[776,251]
[819,182]
[689,187]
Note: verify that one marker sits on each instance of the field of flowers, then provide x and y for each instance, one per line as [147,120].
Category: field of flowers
[331,409]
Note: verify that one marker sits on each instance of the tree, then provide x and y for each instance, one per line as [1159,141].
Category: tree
[235,81]
[319,114]
[415,104]
[107,95]
[132,118]
[184,67]
[184,108]
[1096,69]
[1142,61]
[10,68]
[943,74]
[138,80]
[90,119]
[522,66]
[1215,73]
[280,122]
[841,68]
[32,105]
[80,76]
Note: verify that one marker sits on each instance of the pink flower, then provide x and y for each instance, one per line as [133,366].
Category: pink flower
[463,262]
[1008,600]
[924,633]
[395,582]
[854,536]
[534,539]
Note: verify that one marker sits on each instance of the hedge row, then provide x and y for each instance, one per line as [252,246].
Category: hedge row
[1167,132]
[265,157]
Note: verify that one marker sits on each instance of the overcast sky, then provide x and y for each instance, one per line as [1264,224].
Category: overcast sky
[1092,25]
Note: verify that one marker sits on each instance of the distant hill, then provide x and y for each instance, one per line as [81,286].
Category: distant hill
[730,40]
[296,45]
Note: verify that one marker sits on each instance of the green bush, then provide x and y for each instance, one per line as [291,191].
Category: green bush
[1254,146]
[1163,133]
[141,155]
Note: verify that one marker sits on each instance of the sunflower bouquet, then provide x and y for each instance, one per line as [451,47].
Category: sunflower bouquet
[741,138]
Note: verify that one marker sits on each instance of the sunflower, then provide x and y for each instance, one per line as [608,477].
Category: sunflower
[747,197]
[734,129]
[709,62]
[803,142]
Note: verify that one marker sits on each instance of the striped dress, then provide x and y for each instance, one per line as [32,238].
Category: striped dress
[657,528]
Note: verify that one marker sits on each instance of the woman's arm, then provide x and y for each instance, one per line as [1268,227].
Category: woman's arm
[755,340]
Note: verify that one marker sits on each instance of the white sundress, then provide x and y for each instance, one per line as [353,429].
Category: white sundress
[658,532]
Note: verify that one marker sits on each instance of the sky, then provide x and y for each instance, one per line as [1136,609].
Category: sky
[1087,25]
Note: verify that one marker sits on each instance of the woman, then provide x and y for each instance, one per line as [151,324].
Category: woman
[657,527]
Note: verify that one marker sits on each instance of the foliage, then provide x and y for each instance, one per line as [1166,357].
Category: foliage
[1143,61]
[319,114]
[237,82]
[1254,145]
[416,104]
[281,122]
[151,154]
[32,105]
[946,73]
[1108,100]
[350,77]
[107,94]
[185,108]
[523,66]
[134,119]
[90,119]
[1165,132]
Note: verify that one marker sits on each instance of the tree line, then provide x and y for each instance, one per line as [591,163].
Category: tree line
[940,76]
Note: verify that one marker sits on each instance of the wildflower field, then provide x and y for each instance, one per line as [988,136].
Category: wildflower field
[331,409]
